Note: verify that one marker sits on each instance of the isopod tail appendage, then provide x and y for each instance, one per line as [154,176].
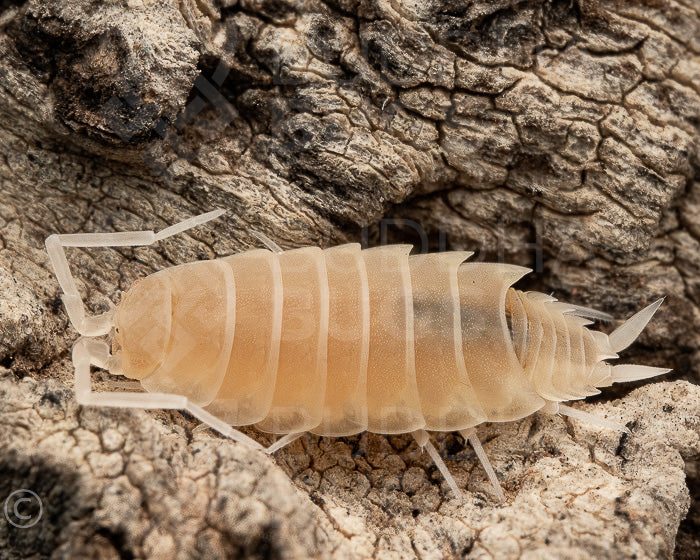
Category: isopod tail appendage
[626,333]
[632,372]
[607,346]
[562,357]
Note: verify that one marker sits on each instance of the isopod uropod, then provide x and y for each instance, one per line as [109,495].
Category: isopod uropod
[343,340]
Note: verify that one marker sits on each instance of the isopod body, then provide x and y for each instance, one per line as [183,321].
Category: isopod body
[343,340]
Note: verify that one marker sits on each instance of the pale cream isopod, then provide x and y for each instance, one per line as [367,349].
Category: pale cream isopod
[343,340]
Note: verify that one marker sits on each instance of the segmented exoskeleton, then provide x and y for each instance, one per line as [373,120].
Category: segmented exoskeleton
[344,340]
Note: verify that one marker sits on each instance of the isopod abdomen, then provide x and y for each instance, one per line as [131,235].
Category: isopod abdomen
[343,340]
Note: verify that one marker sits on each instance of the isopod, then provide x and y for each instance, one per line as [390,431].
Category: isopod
[343,340]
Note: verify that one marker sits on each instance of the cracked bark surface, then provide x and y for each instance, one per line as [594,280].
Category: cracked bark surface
[561,136]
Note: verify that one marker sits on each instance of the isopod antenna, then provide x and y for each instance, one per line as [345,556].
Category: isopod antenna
[98,325]
[88,351]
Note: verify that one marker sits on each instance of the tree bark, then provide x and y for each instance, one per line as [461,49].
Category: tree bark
[557,135]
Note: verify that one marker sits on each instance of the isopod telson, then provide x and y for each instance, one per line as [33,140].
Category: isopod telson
[343,340]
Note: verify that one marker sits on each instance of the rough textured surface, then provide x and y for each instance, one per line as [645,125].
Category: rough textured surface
[559,135]
[129,485]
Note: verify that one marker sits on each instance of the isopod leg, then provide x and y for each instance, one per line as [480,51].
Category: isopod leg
[220,426]
[99,325]
[628,331]
[470,436]
[423,440]
[265,240]
[87,352]
[283,442]
[558,408]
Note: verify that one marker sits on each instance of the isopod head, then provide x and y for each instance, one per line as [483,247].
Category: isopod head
[143,326]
